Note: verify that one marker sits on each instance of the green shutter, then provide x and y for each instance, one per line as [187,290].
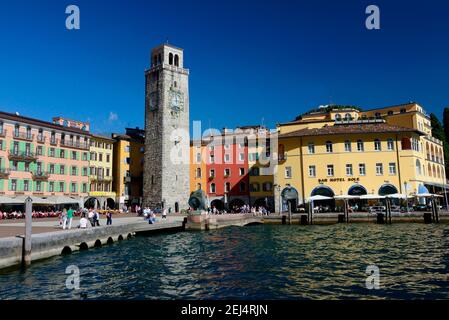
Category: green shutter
[9,185]
[2,182]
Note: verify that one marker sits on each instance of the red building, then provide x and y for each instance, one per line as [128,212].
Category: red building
[227,173]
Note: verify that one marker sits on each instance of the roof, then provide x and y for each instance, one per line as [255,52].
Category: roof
[37,122]
[100,137]
[352,128]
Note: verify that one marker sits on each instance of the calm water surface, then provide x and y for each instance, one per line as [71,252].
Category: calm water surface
[255,262]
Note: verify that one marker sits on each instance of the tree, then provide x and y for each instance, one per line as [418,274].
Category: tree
[439,133]
[446,123]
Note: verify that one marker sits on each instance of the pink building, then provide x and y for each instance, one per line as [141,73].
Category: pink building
[43,159]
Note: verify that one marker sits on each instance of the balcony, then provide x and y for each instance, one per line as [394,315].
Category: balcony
[75,144]
[26,156]
[40,175]
[54,142]
[282,157]
[23,136]
[4,173]
[100,178]
[41,139]
[2,133]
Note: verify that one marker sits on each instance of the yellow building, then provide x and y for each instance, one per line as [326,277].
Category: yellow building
[198,175]
[333,151]
[260,167]
[128,167]
[100,178]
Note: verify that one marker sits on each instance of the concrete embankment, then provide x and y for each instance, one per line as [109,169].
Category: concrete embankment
[358,217]
[45,245]
[210,221]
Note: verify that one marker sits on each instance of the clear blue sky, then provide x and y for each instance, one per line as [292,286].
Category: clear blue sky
[249,60]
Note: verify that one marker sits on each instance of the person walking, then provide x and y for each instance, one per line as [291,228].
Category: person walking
[109,218]
[164,214]
[97,218]
[70,217]
[91,216]
[64,218]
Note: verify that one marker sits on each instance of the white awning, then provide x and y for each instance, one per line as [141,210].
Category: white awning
[345,196]
[372,197]
[318,197]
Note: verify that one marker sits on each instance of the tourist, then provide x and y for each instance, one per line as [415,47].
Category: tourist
[164,214]
[64,218]
[96,218]
[109,218]
[91,216]
[83,222]
[70,217]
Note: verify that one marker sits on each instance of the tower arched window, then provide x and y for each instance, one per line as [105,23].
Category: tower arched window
[338,117]
[170,59]
[176,60]
[377,115]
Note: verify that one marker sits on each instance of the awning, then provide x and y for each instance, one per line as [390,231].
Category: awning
[372,197]
[63,200]
[346,197]
[318,197]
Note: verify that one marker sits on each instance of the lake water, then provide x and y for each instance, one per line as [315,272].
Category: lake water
[253,262]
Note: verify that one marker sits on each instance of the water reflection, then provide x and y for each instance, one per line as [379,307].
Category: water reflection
[258,262]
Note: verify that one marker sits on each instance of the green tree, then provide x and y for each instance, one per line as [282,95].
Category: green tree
[439,133]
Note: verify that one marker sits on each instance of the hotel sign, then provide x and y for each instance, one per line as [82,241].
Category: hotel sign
[338,180]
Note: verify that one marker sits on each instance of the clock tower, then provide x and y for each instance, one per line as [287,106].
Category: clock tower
[166,165]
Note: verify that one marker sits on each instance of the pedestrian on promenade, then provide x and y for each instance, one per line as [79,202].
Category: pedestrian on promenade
[70,217]
[64,218]
[91,216]
[109,218]
[164,214]
[83,222]
[97,218]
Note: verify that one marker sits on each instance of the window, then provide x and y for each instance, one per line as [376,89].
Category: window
[108,158]
[52,168]
[84,171]
[329,146]
[360,146]
[403,111]
[198,158]
[73,187]
[347,146]
[288,172]
[362,169]
[390,113]
[52,152]
[227,158]
[227,172]
[338,117]
[13,185]
[267,186]
[74,155]
[1,144]
[255,187]
[379,169]
[84,188]
[227,187]
[38,186]
[51,186]
[254,171]
[242,157]
[312,171]
[392,168]
[15,149]
[311,148]
[26,185]
[211,158]
[226,146]
[27,149]
[28,132]
[39,150]
[84,156]
[241,171]
[348,117]
[126,148]
[14,166]
[349,171]
[73,171]
[27,167]
[100,157]
[377,115]
[212,188]
[330,170]
[242,186]
[198,172]
[390,144]
[212,173]
[16,130]
[377,145]
[62,169]
[62,154]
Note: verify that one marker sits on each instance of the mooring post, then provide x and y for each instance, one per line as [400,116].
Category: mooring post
[289,212]
[436,209]
[26,259]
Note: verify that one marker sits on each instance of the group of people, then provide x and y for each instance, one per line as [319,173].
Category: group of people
[35,214]
[150,215]
[260,210]
[89,218]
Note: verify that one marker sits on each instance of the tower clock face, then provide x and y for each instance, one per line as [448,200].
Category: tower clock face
[176,101]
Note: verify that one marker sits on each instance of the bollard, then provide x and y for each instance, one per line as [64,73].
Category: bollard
[184,222]
[26,259]
[380,218]
[427,217]
[341,218]
[303,221]
[284,219]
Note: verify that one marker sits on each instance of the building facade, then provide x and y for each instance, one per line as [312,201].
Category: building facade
[43,159]
[101,172]
[167,155]
[339,151]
